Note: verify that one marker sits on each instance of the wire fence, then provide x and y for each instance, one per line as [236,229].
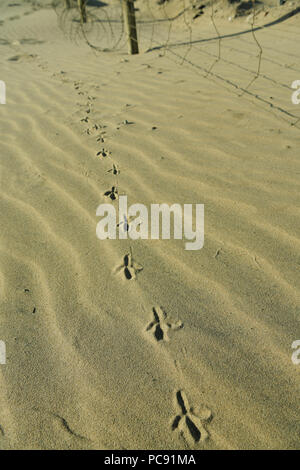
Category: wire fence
[171,28]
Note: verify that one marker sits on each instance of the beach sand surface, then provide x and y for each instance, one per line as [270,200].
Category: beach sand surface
[90,364]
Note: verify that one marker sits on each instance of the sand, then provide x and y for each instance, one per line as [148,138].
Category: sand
[85,366]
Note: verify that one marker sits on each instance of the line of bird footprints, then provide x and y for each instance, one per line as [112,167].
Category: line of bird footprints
[191,425]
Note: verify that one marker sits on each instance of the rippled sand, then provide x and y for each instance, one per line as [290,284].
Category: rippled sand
[85,369]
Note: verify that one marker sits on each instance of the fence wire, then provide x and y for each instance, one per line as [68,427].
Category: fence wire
[172,29]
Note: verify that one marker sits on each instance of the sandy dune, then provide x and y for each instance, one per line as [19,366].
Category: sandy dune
[85,368]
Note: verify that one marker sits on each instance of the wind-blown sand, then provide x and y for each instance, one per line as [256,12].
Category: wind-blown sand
[83,371]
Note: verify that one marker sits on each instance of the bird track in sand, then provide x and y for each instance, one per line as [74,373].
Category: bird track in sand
[129,267]
[190,426]
[160,325]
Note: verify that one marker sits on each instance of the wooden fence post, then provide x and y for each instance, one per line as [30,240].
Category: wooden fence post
[130,26]
[82,9]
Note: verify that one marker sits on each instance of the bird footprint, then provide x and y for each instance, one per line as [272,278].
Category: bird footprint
[125,224]
[129,267]
[103,153]
[160,325]
[190,426]
[114,170]
[112,193]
